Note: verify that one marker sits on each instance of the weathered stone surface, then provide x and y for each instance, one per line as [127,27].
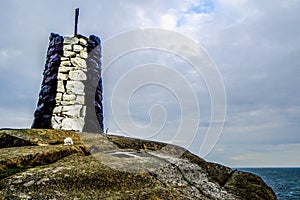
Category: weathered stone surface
[72,110]
[38,136]
[57,119]
[67,47]
[8,140]
[60,87]
[78,62]
[77,75]
[65,65]
[77,48]
[80,99]
[24,157]
[69,97]
[69,54]
[83,111]
[58,99]
[67,103]
[64,69]
[57,109]
[82,41]
[75,124]
[62,76]
[253,186]
[113,167]
[76,87]
[64,59]
[71,40]
[55,124]
[83,54]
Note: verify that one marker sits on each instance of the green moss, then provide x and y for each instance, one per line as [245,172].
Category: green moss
[252,186]
[53,170]
[136,144]
[10,172]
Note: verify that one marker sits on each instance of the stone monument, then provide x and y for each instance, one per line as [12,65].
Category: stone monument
[71,93]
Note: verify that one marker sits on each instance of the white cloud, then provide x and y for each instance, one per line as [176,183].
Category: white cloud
[254,43]
[168,21]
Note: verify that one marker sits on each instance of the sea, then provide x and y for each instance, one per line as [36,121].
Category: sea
[284,181]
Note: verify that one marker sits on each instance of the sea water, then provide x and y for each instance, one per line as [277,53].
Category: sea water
[284,181]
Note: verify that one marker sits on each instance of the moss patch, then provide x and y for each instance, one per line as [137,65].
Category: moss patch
[9,172]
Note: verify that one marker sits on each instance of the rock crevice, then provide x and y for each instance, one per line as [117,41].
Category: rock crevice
[95,167]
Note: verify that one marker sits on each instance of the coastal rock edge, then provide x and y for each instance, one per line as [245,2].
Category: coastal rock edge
[35,164]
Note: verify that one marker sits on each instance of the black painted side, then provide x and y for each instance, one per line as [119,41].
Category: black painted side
[46,102]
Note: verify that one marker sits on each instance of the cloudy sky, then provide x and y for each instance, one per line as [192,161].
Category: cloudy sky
[254,45]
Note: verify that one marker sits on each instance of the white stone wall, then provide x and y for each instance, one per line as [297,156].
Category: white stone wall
[70,110]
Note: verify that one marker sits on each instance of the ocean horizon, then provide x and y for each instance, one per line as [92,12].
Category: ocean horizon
[285,181]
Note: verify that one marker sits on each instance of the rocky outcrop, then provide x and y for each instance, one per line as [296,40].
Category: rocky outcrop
[35,164]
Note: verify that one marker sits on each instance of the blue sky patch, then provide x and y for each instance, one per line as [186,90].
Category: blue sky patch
[205,6]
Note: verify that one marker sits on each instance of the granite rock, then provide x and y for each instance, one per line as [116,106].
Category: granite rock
[114,167]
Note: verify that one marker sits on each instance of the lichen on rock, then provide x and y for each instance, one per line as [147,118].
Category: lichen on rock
[114,167]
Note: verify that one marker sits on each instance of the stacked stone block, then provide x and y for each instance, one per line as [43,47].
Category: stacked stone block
[76,89]
[70,109]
